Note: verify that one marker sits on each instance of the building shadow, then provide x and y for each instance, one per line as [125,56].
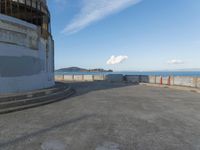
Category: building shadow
[82,88]
[43,131]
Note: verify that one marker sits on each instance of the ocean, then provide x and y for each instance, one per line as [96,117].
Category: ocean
[161,73]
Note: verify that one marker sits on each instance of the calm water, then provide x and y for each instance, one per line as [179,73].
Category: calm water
[178,73]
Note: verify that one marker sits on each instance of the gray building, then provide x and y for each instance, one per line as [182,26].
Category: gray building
[26,46]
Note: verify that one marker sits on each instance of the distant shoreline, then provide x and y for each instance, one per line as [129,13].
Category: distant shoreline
[77,69]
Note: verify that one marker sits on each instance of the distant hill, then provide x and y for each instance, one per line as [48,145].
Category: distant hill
[77,69]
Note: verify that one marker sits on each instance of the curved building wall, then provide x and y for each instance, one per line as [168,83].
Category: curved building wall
[26,58]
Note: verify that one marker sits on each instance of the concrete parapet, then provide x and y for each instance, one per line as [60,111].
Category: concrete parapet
[152,79]
[68,77]
[132,78]
[166,80]
[78,78]
[193,82]
[144,79]
[115,77]
[88,77]
[59,77]
[158,80]
[198,82]
[185,81]
[171,80]
[99,77]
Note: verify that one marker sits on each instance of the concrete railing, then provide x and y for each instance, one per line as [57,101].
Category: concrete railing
[169,80]
[83,78]
[79,78]
[176,81]
[109,77]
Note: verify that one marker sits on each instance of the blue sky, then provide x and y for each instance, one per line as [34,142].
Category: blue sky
[146,34]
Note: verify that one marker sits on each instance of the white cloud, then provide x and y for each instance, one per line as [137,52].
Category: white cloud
[116,60]
[175,61]
[95,10]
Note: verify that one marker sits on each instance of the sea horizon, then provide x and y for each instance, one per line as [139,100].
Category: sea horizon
[150,73]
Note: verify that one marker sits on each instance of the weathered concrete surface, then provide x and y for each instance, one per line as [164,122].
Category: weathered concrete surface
[152,79]
[144,79]
[158,79]
[11,66]
[68,77]
[18,32]
[185,81]
[133,79]
[171,80]
[99,77]
[104,116]
[165,80]
[26,58]
[182,88]
[88,78]
[114,77]
[198,82]
[78,77]
[59,77]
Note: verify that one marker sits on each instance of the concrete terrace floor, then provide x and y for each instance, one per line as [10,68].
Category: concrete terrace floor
[108,116]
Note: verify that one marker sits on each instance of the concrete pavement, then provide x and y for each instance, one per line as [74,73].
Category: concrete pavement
[108,116]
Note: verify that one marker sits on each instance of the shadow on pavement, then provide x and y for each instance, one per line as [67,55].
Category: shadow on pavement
[86,87]
[43,131]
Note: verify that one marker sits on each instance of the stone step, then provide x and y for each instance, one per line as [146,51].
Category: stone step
[38,93]
[37,99]
[49,99]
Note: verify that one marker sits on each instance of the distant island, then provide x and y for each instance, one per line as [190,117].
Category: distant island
[77,69]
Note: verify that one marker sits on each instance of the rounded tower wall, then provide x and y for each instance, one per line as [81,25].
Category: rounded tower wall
[26,55]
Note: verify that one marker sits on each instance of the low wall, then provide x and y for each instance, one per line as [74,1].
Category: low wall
[79,78]
[185,81]
[144,79]
[176,81]
[99,77]
[158,80]
[166,80]
[152,79]
[114,78]
[169,80]
[137,78]
[132,78]
[68,78]
[88,78]
[198,82]
[59,77]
